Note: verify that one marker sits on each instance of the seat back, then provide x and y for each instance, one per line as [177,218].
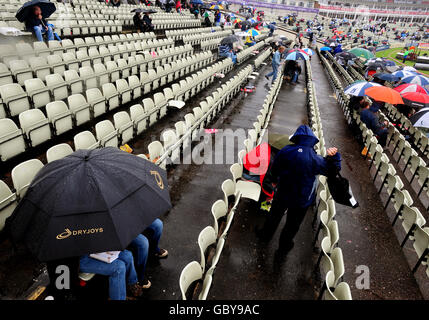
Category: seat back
[23,174]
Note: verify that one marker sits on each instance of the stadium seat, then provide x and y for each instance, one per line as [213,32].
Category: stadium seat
[124,125]
[85,140]
[59,116]
[58,151]
[191,273]
[106,134]
[11,140]
[97,102]
[79,108]
[57,86]
[35,125]
[38,92]
[23,174]
[248,189]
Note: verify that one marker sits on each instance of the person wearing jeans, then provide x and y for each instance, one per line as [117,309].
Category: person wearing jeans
[39,31]
[276,63]
[38,25]
[145,244]
[121,273]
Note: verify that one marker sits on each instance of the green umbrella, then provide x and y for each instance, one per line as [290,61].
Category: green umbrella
[362,53]
[278,141]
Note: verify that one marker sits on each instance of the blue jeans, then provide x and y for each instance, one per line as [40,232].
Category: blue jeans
[141,244]
[229,55]
[295,77]
[140,248]
[274,72]
[153,234]
[39,31]
[120,272]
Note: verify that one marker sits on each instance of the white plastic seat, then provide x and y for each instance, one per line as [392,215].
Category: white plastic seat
[79,108]
[74,81]
[20,70]
[247,189]
[38,92]
[97,102]
[40,67]
[59,116]
[23,174]
[35,125]
[106,134]
[111,95]
[124,90]
[191,273]
[57,86]
[85,140]
[139,118]
[124,125]
[8,203]
[156,150]
[89,77]
[5,75]
[58,151]
[56,64]
[11,139]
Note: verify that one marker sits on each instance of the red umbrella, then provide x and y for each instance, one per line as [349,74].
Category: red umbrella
[299,50]
[384,94]
[410,87]
[416,99]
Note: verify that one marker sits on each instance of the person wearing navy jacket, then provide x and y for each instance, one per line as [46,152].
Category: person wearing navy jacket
[295,170]
[38,25]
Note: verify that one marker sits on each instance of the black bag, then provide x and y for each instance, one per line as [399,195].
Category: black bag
[339,187]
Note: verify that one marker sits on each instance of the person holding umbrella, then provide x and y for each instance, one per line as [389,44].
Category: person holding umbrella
[218,16]
[121,272]
[38,25]
[147,22]
[85,204]
[369,116]
[138,20]
[294,172]
[276,63]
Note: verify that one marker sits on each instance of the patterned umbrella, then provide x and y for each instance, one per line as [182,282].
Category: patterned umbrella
[216,7]
[308,51]
[402,74]
[421,119]
[410,87]
[416,99]
[358,88]
[297,55]
[417,79]
[253,32]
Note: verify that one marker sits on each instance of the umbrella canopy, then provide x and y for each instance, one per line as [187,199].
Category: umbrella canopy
[402,74]
[358,88]
[229,40]
[346,55]
[386,77]
[417,79]
[410,69]
[216,7]
[308,51]
[297,55]
[416,99]
[199,2]
[237,20]
[384,94]
[25,11]
[407,87]
[253,32]
[376,65]
[421,118]
[90,201]
[251,20]
[362,53]
[325,49]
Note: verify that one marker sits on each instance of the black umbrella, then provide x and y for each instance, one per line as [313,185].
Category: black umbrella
[144,10]
[90,201]
[346,55]
[376,65]
[229,40]
[46,6]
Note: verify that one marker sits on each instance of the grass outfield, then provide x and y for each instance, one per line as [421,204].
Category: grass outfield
[391,54]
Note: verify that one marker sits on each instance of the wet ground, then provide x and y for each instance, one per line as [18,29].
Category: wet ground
[249,269]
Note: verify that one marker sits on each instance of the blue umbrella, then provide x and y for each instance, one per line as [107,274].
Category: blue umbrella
[386,77]
[251,20]
[358,88]
[200,2]
[296,55]
[325,49]
[46,6]
[417,79]
[403,74]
